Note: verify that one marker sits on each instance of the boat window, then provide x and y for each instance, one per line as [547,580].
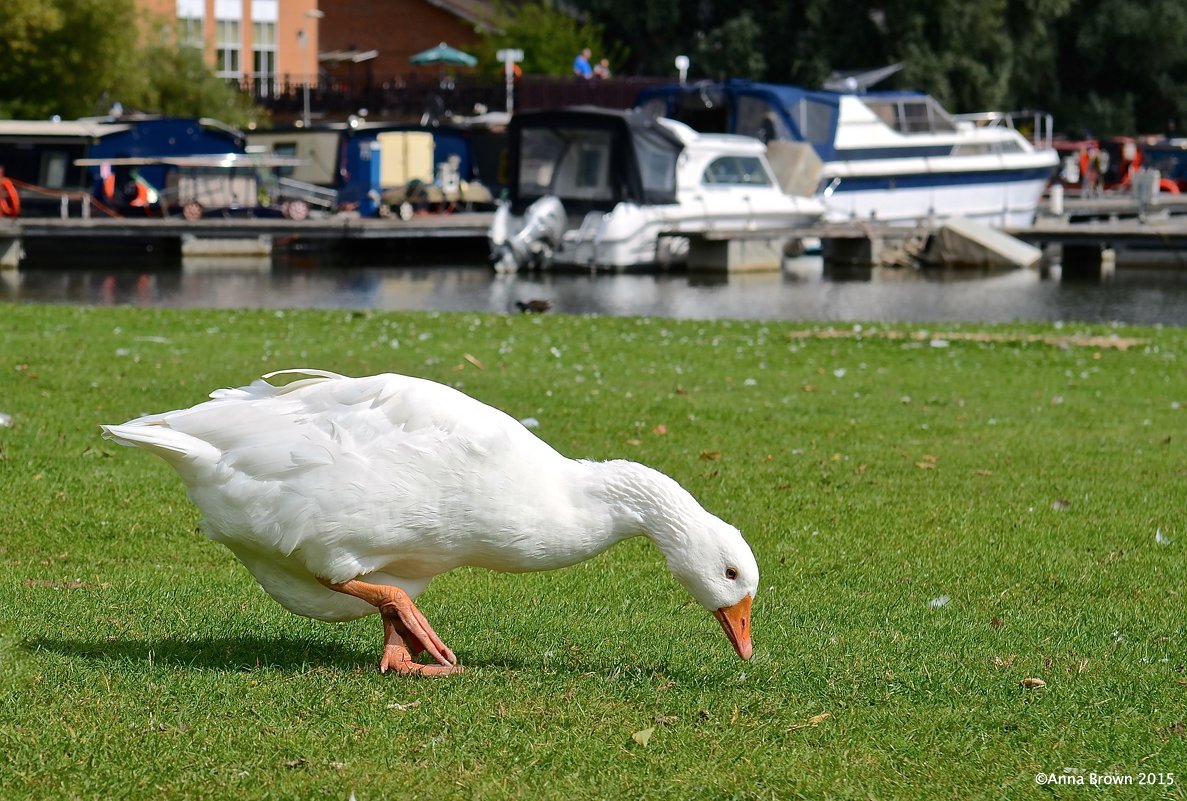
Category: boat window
[53,169]
[583,169]
[887,111]
[815,121]
[655,107]
[939,119]
[288,149]
[736,170]
[590,163]
[755,117]
[912,115]
[972,149]
[703,108]
[916,118]
[983,148]
[540,150]
[656,155]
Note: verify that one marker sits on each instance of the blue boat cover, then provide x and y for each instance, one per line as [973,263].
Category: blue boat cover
[766,111]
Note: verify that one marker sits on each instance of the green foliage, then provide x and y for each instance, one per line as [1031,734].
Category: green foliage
[549,38]
[1031,476]
[79,57]
[1123,66]
[66,57]
[960,52]
[180,84]
[1109,65]
[734,50]
[653,33]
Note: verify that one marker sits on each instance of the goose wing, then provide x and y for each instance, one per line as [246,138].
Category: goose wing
[351,473]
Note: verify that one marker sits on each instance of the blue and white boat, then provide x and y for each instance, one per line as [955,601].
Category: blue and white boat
[891,156]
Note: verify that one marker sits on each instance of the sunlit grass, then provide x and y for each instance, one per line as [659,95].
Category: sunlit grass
[936,517]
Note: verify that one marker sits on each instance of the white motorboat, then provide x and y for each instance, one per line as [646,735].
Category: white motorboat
[607,189]
[896,157]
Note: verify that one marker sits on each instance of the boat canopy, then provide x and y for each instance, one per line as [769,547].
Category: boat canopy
[591,159]
[770,111]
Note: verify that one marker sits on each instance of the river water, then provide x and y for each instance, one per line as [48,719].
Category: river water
[803,291]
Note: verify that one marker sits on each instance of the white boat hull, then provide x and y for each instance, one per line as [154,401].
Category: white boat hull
[632,235]
[996,191]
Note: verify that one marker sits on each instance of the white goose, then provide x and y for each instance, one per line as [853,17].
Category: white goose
[345,496]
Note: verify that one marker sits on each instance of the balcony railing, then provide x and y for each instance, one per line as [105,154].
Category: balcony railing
[411,97]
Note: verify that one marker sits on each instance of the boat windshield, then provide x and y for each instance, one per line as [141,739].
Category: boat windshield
[736,171]
[571,164]
[911,114]
[657,156]
[598,165]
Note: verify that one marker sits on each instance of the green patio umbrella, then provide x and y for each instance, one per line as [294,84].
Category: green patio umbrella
[444,54]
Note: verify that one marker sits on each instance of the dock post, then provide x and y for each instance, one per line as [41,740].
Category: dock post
[11,249]
[1055,204]
[734,255]
[1094,261]
[64,207]
[850,251]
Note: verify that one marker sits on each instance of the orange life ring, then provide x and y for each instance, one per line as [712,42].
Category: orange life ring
[10,199]
[140,200]
[1168,186]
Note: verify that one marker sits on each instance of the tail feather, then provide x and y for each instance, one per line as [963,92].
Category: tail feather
[172,446]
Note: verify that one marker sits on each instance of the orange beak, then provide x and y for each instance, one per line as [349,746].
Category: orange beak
[735,621]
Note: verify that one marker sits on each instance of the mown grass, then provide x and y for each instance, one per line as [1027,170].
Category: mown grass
[936,519]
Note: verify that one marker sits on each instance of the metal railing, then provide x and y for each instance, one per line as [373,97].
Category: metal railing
[1038,126]
[410,97]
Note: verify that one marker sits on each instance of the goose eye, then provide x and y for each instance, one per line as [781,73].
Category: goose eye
[731,573]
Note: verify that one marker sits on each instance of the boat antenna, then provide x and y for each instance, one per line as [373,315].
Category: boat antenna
[853,82]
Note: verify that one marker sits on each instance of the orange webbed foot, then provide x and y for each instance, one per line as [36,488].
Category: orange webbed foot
[398,658]
[406,632]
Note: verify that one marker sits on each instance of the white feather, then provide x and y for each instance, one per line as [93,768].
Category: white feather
[399,479]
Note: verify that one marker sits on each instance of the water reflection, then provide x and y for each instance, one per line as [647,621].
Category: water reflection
[803,291]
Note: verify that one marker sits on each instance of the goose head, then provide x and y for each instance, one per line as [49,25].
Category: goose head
[718,569]
[706,555]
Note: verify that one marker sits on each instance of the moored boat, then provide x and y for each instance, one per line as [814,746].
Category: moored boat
[895,156]
[606,189]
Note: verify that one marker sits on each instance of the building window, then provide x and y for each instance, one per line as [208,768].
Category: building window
[263,65]
[190,18]
[189,33]
[227,47]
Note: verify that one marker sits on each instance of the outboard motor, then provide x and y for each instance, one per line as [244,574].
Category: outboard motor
[544,224]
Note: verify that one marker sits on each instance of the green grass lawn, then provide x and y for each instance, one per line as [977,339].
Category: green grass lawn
[937,517]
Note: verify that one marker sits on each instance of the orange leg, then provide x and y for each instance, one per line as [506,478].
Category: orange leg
[406,632]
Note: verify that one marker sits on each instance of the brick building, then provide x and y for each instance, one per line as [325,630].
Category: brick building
[391,31]
[260,42]
[271,43]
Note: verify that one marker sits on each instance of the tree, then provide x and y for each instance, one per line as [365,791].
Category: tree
[76,58]
[1143,92]
[734,50]
[651,33]
[62,56]
[549,39]
[180,84]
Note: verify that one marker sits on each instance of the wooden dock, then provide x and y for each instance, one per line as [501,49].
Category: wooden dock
[1084,234]
[427,226]
[47,237]
[1082,237]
